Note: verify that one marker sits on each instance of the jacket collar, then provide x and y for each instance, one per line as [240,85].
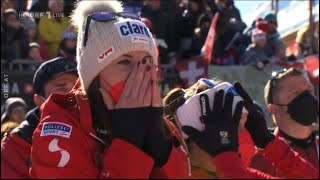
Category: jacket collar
[73,105]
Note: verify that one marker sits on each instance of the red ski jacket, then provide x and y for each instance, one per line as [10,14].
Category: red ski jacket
[64,145]
[14,157]
[278,153]
[309,155]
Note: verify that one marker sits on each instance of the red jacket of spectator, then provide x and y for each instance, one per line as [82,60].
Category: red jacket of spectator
[78,153]
[278,153]
[308,155]
[14,157]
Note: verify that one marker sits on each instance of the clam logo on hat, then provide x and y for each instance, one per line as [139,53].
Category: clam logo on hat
[128,28]
[105,54]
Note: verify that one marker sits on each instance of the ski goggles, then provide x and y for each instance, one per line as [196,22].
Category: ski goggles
[273,79]
[104,17]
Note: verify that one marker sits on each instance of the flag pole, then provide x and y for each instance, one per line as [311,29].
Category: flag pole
[311,26]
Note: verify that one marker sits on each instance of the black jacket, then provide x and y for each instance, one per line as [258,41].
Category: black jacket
[26,128]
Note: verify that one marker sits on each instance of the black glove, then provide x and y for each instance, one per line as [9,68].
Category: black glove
[158,143]
[256,123]
[221,129]
[131,124]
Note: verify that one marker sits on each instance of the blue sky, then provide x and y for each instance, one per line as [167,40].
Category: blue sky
[246,5]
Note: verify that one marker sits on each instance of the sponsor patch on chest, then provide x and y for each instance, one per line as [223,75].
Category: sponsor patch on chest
[56,129]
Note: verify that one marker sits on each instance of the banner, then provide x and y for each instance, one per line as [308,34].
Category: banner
[17,84]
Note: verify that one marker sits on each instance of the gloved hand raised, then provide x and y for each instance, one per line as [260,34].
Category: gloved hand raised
[221,129]
[256,123]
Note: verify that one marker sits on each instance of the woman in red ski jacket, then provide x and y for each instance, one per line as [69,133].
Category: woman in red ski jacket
[110,124]
[224,149]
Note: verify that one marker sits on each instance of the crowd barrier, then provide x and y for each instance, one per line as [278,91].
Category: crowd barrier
[252,79]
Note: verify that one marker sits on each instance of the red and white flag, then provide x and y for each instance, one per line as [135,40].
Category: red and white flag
[192,69]
[311,64]
[208,45]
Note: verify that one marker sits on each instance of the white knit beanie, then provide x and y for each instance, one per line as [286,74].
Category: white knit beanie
[107,40]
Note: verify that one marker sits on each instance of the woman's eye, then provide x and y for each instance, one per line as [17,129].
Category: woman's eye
[124,61]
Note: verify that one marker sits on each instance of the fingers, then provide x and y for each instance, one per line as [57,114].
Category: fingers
[156,99]
[139,78]
[107,99]
[238,113]
[145,84]
[227,110]
[217,104]
[248,103]
[130,81]
[191,132]
[242,92]
[147,100]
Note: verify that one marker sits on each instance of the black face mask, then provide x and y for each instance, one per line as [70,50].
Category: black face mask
[304,109]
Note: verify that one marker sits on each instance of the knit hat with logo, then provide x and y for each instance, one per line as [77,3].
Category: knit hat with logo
[108,40]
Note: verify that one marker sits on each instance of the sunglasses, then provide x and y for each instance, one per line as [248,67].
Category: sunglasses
[104,17]
[273,79]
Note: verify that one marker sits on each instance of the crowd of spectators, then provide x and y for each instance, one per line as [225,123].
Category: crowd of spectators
[180,29]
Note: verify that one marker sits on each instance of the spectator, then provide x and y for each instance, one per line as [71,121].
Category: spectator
[233,11]
[12,114]
[291,101]
[280,53]
[303,40]
[163,23]
[13,40]
[133,6]
[31,32]
[255,55]
[34,52]
[37,6]
[209,161]
[273,36]
[54,76]
[188,24]
[262,24]
[201,33]
[68,45]
[51,27]
[96,119]
[33,55]
[229,27]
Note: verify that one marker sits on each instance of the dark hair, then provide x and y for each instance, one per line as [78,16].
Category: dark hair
[99,112]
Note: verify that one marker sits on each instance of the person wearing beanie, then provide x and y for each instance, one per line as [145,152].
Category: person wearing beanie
[13,39]
[110,124]
[33,56]
[262,24]
[12,114]
[32,35]
[53,76]
[67,47]
[272,33]
[255,55]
